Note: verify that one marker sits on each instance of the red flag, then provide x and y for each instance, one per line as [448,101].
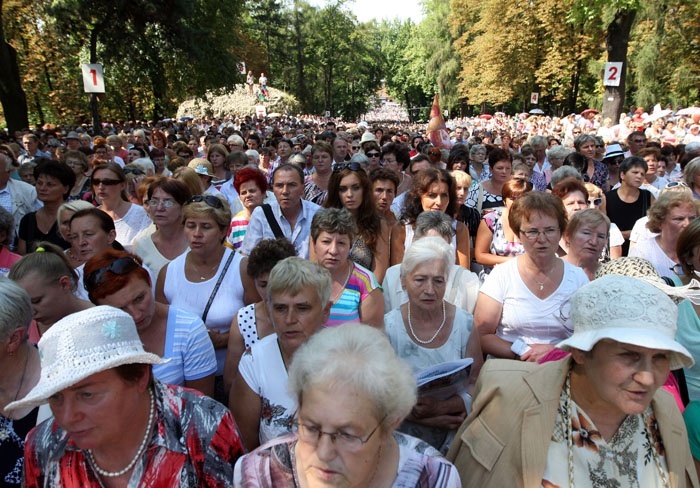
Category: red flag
[437,130]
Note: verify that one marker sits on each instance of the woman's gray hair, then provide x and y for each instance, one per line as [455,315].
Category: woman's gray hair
[293,274]
[146,165]
[691,169]
[359,358]
[361,159]
[297,159]
[15,308]
[72,206]
[476,147]
[563,173]
[427,249]
[7,224]
[437,221]
[583,138]
[559,151]
[333,221]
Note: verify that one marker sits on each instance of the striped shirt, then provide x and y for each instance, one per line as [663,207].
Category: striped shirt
[347,308]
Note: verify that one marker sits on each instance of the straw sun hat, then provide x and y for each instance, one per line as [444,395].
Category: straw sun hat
[82,344]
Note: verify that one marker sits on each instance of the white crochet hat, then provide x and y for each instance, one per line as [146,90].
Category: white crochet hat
[82,344]
[625,310]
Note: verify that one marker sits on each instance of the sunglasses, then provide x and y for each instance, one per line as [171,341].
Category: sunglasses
[210,200]
[355,148]
[105,182]
[121,266]
[596,202]
[349,166]
[133,171]
[675,184]
[372,154]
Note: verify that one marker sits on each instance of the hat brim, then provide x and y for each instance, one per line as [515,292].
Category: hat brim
[585,341]
[46,388]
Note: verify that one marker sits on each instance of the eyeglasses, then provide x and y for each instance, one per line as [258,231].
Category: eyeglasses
[121,266]
[596,202]
[576,132]
[349,166]
[133,171]
[105,182]
[372,154]
[311,434]
[154,202]
[210,200]
[533,234]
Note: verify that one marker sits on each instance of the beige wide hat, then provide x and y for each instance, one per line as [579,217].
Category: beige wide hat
[82,344]
[626,310]
[368,137]
[202,167]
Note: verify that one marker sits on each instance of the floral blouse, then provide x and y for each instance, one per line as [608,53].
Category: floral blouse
[195,442]
[500,246]
[633,457]
[600,175]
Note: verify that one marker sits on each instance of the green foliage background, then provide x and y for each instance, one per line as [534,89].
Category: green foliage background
[477,54]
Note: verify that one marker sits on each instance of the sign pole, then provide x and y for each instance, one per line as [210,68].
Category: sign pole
[94,83]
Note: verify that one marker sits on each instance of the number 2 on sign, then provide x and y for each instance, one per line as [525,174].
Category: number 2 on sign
[93,72]
[613,73]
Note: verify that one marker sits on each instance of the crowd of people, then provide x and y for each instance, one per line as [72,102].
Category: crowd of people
[258,302]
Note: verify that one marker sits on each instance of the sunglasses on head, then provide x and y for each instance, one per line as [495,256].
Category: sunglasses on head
[349,166]
[210,200]
[121,266]
[675,184]
[105,181]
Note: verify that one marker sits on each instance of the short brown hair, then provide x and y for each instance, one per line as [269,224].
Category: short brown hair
[537,202]
[666,202]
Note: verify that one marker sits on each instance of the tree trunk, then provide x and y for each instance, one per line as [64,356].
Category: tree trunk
[94,105]
[616,43]
[301,78]
[12,97]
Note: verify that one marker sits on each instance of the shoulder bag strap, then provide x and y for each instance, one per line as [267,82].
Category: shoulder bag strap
[216,287]
[480,198]
[272,221]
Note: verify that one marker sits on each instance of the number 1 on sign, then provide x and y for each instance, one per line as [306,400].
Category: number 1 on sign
[93,72]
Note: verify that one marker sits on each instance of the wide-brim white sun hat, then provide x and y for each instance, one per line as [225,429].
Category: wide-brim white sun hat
[629,311]
[82,344]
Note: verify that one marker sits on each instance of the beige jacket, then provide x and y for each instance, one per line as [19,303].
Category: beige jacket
[505,440]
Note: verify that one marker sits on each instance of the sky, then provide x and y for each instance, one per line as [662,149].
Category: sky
[366,10]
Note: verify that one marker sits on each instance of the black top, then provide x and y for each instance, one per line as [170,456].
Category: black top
[623,214]
[31,234]
[12,447]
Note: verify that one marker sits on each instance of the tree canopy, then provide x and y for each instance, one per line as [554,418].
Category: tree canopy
[476,54]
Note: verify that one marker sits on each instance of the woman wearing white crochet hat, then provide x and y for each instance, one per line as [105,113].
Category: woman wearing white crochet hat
[114,425]
[596,418]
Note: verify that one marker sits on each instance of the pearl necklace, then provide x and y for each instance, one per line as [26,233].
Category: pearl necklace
[570,438]
[139,453]
[413,333]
